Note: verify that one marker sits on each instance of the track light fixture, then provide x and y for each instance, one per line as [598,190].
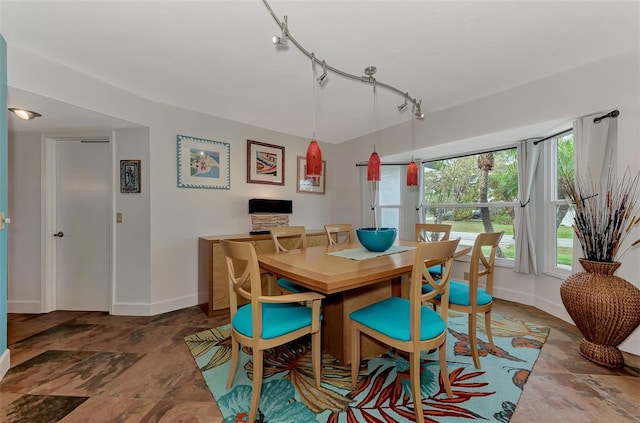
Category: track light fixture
[282,40]
[286,35]
[24,114]
[403,105]
[323,77]
[417,110]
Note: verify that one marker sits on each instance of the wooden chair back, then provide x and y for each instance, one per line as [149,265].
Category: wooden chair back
[288,238]
[340,233]
[431,232]
[441,252]
[482,264]
[244,276]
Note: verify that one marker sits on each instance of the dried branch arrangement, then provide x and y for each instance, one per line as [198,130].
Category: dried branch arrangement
[602,221]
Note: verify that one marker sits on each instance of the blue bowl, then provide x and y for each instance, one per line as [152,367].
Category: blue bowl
[376,239]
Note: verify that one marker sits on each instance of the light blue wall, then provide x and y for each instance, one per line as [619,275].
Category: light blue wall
[3,194]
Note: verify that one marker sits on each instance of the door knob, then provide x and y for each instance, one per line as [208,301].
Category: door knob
[59,234]
[4,220]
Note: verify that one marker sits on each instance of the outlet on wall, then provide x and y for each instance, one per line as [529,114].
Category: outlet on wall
[118,217]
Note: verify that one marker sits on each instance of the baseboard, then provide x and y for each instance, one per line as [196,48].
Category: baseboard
[515,296]
[173,304]
[632,344]
[25,307]
[152,309]
[5,363]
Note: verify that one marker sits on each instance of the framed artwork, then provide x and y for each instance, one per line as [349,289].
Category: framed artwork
[130,176]
[203,163]
[310,184]
[265,163]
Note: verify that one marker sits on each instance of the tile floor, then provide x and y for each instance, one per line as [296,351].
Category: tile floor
[74,367]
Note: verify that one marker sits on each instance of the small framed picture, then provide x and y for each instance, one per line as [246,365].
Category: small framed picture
[265,163]
[310,184]
[203,163]
[129,176]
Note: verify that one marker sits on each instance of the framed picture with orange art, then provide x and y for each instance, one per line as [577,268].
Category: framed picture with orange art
[265,163]
[310,184]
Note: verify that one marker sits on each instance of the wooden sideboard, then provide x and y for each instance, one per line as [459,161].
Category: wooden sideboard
[213,289]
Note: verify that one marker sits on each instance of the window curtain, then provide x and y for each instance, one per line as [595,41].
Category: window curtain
[525,260]
[595,148]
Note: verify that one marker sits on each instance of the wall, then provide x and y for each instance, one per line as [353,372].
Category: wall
[25,230]
[509,116]
[155,248]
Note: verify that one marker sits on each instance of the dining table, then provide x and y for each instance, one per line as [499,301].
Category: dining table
[351,278]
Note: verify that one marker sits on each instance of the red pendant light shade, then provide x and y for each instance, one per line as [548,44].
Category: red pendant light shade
[314,159]
[373,167]
[412,174]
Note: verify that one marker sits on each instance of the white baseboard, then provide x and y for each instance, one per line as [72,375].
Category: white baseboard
[152,309]
[25,307]
[515,296]
[172,304]
[5,363]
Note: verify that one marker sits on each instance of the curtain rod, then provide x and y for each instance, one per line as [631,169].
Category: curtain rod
[611,114]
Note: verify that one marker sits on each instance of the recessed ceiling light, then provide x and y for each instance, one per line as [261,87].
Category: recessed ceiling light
[24,114]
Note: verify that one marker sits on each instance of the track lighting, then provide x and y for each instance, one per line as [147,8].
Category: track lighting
[24,114]
[417,108]
[403,105]
[282,40]
[323,77]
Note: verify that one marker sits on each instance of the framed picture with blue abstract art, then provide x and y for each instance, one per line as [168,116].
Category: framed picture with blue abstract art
[203,163]
[265,163]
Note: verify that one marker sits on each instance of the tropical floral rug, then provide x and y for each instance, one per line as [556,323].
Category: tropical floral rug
[384,393]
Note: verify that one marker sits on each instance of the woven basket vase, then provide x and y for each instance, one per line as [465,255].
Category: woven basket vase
[606,309]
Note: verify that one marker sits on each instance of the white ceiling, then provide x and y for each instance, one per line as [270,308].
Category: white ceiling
[216,57]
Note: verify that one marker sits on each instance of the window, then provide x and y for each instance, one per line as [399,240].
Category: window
[475,194]
[559,218]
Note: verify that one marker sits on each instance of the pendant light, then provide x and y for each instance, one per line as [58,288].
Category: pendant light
[412,169]
[314,155]
[373,165]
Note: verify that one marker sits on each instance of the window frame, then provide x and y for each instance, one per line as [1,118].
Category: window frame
[550,259]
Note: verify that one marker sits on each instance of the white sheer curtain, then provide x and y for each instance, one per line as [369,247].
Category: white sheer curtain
[595,148]
[525,260]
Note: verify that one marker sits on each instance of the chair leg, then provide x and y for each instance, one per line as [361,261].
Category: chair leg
[235,350]
[316,357]
[473,340]
[487,327]
[257,384]
[414,372]
[444,370]
[355,354]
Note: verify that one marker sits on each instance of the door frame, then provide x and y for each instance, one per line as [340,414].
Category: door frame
[48,217]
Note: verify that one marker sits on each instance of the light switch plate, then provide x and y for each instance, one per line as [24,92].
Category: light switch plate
[118,217]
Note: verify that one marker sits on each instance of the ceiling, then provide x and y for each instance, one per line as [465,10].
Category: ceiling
[217,57]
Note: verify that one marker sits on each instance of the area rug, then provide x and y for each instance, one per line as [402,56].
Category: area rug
[383,394]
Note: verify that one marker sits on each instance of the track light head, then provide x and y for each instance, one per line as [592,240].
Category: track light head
[322,78]
[402,106]
[417,110]
[282,40]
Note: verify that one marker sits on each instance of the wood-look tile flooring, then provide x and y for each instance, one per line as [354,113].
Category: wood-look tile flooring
[74,367]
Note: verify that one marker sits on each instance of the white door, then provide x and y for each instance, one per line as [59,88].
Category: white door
[82,226]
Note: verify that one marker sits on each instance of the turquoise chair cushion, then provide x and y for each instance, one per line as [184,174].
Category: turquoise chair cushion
[436,271]
[290,286]
[277,319]
[459,294]
[391,317]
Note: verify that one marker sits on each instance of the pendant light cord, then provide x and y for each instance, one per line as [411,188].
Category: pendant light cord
[313,90]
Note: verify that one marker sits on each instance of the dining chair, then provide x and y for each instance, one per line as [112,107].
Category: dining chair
[340,233]
[430,232]
[468,297]
[407,324]
[267,321]
[287,238]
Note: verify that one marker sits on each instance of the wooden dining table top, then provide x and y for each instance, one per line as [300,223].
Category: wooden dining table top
[313,268]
